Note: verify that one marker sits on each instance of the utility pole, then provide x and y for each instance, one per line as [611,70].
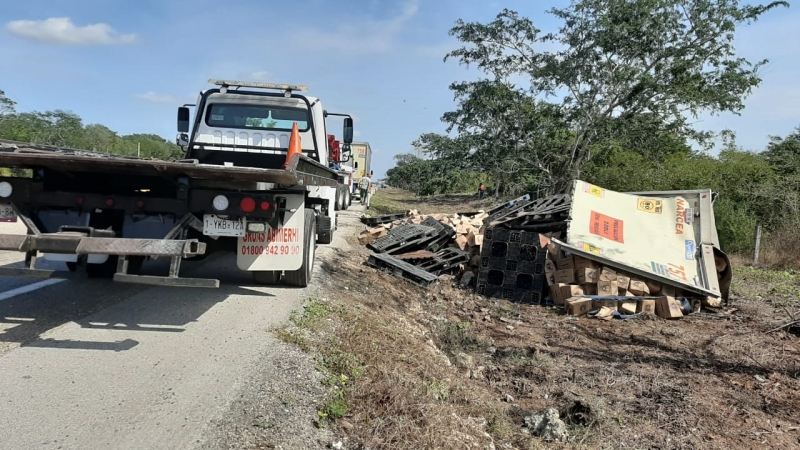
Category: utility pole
[138,150]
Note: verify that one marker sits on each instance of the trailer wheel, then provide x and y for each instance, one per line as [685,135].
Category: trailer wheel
[268,277]
[302,276]
[346,200]
[349,198]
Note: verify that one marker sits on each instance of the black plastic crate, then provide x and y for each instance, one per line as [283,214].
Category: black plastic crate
[400,237]
[388,218]
[512,266]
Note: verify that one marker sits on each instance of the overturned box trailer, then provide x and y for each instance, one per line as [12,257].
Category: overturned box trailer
[668,236]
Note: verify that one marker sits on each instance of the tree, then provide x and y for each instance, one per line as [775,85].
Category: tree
[615,61]
[66,129]
[7,106]
[784,153]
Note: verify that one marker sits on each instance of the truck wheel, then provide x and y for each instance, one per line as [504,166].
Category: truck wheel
[302,276]
[268,277]
[346,201]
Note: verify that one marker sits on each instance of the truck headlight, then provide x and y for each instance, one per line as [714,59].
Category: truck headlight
[5,189]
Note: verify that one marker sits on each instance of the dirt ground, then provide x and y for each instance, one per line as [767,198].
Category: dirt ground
[445,368]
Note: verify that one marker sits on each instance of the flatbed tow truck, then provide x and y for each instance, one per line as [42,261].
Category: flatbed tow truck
[254,181]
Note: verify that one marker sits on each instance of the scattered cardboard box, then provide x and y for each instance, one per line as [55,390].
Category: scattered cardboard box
[600,303]
[565,264]
[668,308]
[607,274]
[587,276]
[628,306]
[565,276]
[589,289]
[578,306]
[607,288]
[623,281]
[638,287]
[646,306]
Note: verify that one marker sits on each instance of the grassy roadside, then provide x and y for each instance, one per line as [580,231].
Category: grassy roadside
[444,368]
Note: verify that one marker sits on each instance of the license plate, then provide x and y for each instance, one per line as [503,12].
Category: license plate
[216,226]
[7,213]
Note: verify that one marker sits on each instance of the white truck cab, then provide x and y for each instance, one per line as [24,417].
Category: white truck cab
[249,124]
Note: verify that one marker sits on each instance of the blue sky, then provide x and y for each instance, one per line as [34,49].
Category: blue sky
[128,65]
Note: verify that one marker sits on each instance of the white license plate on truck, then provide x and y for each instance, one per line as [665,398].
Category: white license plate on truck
[7,213]
[277,248]
[217,226]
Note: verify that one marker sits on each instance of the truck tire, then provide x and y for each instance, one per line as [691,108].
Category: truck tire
[349,199]
[346,201]
[268,277]
[302,276]
[337,204]
[325,230]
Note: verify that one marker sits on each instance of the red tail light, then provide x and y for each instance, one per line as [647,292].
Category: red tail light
[110,202]
[264,206]
[247,205]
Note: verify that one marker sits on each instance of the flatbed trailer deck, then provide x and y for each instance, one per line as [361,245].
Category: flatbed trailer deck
[84,241]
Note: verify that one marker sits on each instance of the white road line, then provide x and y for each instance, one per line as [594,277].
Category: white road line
[29,288]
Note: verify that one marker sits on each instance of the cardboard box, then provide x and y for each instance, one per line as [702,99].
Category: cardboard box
[587,276]
[578,306]
[571,290]
[607,288]
[365,238]
[611,304]
[555,251]
[646,306]
[589,289]
[668,308]
[711,302]
[629,294]
[654,287]
[565,264]
[550,266]
[461,242]
[565,276]
[477,241]
[638,287]
[378,232]
[551,278]
[669,291]
[607,274]
[623,281]
[583,263]
[627,306]
[557,295]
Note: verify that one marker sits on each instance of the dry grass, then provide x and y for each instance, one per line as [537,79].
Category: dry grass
[781,249]
[432,368]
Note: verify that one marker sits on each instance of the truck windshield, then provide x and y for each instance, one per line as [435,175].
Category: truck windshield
[281,118]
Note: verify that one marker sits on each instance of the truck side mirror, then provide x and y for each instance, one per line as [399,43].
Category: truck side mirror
[183,119]
[347,133]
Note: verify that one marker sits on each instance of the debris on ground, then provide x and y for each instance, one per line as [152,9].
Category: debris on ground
[592,252]
[547,425]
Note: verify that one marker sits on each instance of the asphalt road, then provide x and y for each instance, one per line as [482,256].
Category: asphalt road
[88,364]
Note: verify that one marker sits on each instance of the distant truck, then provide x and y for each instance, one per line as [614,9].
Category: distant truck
[361,163]
[338,156]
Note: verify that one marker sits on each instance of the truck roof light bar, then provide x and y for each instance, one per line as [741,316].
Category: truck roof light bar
[254,84]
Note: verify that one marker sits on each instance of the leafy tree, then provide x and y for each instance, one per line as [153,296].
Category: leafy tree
[784,153]
[7,106]
[615,61]
[66,129]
